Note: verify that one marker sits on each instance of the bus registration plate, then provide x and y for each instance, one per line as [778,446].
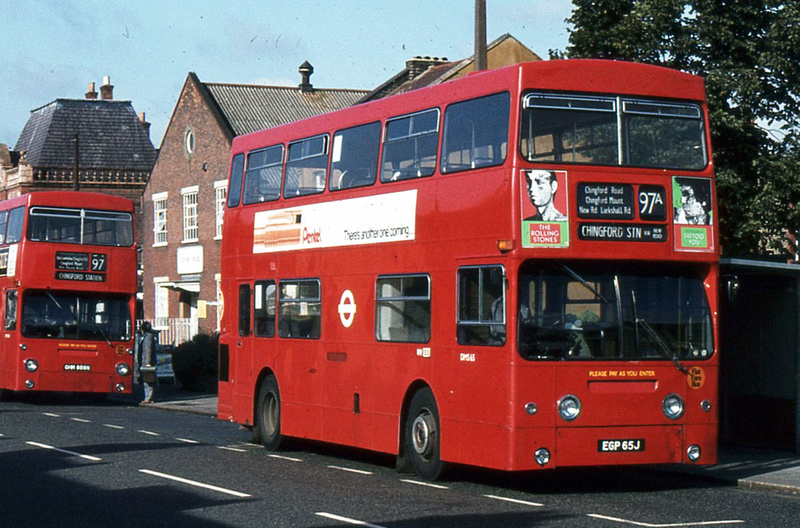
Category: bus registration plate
[616,446]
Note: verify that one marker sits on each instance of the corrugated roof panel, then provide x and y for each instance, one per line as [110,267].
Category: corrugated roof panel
[249,108]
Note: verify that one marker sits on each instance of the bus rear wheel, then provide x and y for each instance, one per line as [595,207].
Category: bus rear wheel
[268,414]
[422,435]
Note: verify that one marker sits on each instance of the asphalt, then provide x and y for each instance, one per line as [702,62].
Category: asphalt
[754,468]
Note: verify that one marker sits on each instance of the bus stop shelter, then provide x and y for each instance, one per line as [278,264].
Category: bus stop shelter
[760,346]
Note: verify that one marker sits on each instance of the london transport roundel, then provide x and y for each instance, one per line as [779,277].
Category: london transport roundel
[347,308]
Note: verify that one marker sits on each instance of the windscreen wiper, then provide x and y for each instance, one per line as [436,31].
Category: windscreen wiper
[661,345]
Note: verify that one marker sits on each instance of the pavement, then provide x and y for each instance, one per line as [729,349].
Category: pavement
[753,468]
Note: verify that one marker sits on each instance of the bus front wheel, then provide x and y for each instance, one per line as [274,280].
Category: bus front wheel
[422,435]
[268,414]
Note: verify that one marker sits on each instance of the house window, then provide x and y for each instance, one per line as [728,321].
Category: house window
[220,195]
[160,219]
[189,195]
[188,142]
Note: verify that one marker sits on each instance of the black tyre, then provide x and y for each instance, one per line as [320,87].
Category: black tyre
[423,435]
[268,415]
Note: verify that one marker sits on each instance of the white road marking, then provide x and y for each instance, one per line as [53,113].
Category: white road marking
[187,440]
[351,470]
[515,501]
[347,520]
[81,420]
[233,449]
[151,433]
[667,525]
[52,415]
[73,453]
[112,426]
[194,483]
[427,484]
[281,457]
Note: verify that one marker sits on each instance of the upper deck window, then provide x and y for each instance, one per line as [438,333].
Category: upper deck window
[355,156]
[601,130]
[306,168]
[262,181]
[476,133]
[80,226]
[410,145]
[235,186]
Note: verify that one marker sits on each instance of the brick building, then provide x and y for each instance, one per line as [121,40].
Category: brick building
[114,151]
[186,194]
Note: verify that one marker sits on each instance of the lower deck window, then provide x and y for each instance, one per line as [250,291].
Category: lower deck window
[300,309]
[481,306]
[403,309]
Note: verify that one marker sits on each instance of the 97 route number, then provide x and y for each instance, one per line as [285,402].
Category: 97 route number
[616,446]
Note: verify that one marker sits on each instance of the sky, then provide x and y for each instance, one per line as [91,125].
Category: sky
[51,49]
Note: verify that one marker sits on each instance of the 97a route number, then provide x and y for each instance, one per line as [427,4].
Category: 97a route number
[616,446]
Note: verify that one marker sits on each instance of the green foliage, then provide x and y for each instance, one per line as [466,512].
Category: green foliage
[748,51]
[195,363]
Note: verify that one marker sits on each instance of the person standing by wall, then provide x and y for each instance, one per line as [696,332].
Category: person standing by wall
[147,361]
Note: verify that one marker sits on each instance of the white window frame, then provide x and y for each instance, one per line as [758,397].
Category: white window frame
[160,302]
[220,198]
[189,197]
[160,208]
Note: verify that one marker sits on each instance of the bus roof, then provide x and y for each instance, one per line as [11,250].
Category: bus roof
[76,199]
[573,75]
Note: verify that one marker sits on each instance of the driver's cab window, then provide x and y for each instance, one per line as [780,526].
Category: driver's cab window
[562,317]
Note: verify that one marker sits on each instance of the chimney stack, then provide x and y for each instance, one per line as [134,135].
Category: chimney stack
[306,70]
[92,93]
[107,89]
[145,124]
[419,65]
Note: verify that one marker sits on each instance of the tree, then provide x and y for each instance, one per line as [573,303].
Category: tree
[748,51]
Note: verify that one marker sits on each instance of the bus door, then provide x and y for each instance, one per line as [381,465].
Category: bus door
[239,353]
[7,341]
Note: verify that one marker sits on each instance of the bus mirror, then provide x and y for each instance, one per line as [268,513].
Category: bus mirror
[731,288]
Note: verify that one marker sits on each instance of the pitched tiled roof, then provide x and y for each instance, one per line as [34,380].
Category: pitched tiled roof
[248,108]
[110,136]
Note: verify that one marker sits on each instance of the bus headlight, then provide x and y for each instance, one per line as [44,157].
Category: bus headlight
[569,407]
[123,369]
[120,387]
[31,365]
[693,452]
[672,405]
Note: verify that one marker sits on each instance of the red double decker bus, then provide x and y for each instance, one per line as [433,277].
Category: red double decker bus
[516,270]
[68,278]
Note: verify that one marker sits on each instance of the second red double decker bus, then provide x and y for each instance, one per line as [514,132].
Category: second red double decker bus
[68,277]
[515,270]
